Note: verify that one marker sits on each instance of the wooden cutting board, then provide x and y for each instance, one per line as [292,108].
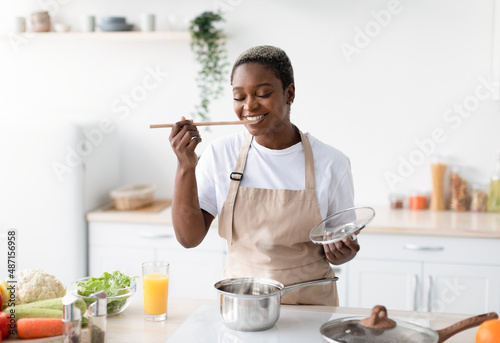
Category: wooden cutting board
[84,338]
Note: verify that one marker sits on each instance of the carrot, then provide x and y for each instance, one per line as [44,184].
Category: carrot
[39,327]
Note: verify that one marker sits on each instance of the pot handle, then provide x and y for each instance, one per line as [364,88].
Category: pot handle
[465,324]
[294,286]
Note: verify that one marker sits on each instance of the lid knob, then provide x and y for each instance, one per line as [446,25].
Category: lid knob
[378,319]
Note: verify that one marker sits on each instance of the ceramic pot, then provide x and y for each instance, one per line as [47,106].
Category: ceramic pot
[40,22]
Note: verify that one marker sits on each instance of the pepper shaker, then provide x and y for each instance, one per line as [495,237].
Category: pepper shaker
[72,317]
[97,318]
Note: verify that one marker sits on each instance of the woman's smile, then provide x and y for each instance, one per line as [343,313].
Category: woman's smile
[255,118]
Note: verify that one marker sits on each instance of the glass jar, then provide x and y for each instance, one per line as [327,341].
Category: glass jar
[494,193]
[396,200]
[418,201]
[458,191]
[478,198]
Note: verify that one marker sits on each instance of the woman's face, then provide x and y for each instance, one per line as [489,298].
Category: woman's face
[258,95]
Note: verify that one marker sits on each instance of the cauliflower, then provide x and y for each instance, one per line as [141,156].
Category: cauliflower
[34,285]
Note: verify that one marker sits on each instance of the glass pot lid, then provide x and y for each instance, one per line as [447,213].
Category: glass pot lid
[379,328]
[376,328]
[342,224]
[349,330]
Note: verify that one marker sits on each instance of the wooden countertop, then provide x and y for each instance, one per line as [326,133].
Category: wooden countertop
[130,326]
[386,221]
[107,213]
[435,223]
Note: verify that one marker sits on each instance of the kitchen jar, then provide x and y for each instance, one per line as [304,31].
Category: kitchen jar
[147,22]
[88,23]
[19,24]
[396,200]
[458,190]
[418,201]
[494,193]
[438,169]
[40,21]
[478,198]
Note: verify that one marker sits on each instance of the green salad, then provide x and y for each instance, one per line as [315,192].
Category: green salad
[114,284]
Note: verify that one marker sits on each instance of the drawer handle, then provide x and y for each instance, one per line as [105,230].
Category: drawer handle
[429,299]
[415,293]
[154,235]
[422,248]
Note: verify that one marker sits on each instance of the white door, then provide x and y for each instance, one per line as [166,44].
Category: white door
[461,288]
[396,285]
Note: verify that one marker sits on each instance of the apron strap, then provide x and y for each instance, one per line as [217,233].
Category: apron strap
[309,162]
[236,177]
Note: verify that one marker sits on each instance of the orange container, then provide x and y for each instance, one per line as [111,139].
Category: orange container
[418,202]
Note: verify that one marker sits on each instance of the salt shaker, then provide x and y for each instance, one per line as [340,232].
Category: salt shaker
[97,318]
[72,318]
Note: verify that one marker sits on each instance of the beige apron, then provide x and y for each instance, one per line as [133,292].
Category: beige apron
[267,233]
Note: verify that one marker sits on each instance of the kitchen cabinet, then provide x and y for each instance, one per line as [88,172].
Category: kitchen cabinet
[422,273]
[125,246]
[390,283]
[456,288]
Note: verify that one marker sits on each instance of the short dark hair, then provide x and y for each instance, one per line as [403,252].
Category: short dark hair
[271,57]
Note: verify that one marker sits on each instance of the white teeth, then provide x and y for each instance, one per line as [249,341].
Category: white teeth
[254,118]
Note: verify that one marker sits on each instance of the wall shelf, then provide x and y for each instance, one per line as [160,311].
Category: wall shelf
[99,36]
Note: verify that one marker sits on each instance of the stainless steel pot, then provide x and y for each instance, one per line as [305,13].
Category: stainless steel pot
[252,304]
[379,328]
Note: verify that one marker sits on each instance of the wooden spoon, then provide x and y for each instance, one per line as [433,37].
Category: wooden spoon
[206,123]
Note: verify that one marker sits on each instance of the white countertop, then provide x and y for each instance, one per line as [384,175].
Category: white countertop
[184,315]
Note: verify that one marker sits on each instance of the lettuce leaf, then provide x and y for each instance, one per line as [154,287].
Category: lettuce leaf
[112,283]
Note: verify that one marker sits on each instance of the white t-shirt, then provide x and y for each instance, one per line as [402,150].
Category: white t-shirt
[274,169]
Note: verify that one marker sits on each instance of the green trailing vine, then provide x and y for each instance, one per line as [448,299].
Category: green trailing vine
[209,46]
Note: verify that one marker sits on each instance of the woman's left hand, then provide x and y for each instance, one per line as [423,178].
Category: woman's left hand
[342,251]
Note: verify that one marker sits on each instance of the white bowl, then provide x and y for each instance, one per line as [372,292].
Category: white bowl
[60,27]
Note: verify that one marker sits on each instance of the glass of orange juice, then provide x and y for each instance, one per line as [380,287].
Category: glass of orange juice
[155,288]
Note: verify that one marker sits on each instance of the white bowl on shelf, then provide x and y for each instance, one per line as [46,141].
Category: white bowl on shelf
[60,27]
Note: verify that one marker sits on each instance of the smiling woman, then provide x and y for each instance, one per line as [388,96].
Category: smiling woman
[268,186]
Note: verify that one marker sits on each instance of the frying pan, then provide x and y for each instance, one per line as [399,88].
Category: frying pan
[379,328]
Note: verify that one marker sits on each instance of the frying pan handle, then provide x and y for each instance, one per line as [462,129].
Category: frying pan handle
[294,286]
[465,324]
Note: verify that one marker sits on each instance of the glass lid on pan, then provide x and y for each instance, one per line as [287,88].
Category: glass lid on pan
[345,223]
[379,328]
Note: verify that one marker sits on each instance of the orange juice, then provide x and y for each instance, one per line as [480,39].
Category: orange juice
[155,286]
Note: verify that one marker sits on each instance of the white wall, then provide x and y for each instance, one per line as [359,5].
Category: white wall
[426,59]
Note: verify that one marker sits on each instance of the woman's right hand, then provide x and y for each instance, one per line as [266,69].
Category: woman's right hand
[184,138]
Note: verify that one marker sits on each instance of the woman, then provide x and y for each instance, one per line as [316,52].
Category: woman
[269,186]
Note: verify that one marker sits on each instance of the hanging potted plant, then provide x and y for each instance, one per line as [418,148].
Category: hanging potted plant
[208,43]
